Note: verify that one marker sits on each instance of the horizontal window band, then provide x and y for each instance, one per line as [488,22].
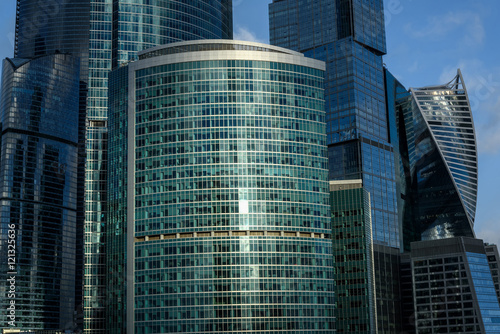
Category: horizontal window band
[235,233]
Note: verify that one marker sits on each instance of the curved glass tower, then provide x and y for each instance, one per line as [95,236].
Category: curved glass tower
[38,192]
[440,162]
[224,189]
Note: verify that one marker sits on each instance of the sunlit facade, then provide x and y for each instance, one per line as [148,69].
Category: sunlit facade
[224,190]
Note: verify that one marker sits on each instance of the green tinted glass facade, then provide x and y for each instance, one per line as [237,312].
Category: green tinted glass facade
[119,29]
[353,257]
[227,202]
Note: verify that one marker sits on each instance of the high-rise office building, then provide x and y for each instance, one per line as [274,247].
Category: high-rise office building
[438,169]
[223,190]
[39,116]
[61,26]
[350,37]
[104,34]
[118,30]
[494,261]
[353,258]
[453,287]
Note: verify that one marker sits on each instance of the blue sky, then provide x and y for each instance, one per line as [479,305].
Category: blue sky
[427,41]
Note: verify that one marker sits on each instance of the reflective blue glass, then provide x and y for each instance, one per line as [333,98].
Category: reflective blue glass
[39,114]
[350,37]
[485,291]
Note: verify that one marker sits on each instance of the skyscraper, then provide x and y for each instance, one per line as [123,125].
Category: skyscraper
[350,37]
[353,258]
[39,117]
[118,30]
[61,26]
[223,189]
[453,287]
[104,34]
[439,173]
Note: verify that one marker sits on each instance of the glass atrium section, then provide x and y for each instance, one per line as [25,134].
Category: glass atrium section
[38,190]
[353,257]
[227,205]
[438,141]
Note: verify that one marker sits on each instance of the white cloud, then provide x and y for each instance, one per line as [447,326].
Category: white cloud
[244,34]
[489,231]
[468,25]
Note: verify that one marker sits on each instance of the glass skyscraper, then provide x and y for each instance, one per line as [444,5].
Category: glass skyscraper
[118,30]
[439,172]
[223,189]
[453,287]
[353,258]
[61,26]
[39,116]
[105,34]
[350,37]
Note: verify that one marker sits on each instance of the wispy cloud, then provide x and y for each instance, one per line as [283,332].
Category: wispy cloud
[245,34]
[489,231]
[468,25]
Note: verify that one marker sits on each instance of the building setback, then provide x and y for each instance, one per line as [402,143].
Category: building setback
[224,189]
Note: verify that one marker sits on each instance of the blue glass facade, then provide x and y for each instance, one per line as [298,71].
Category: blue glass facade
[39,115]
[352,45]
[350,37]
[485,292]
[227,199]
[61,26]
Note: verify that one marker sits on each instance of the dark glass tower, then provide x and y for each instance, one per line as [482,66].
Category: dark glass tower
[453,287]
[221,169]
[61,26]
[350,37]
[439,172]
[38,182]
